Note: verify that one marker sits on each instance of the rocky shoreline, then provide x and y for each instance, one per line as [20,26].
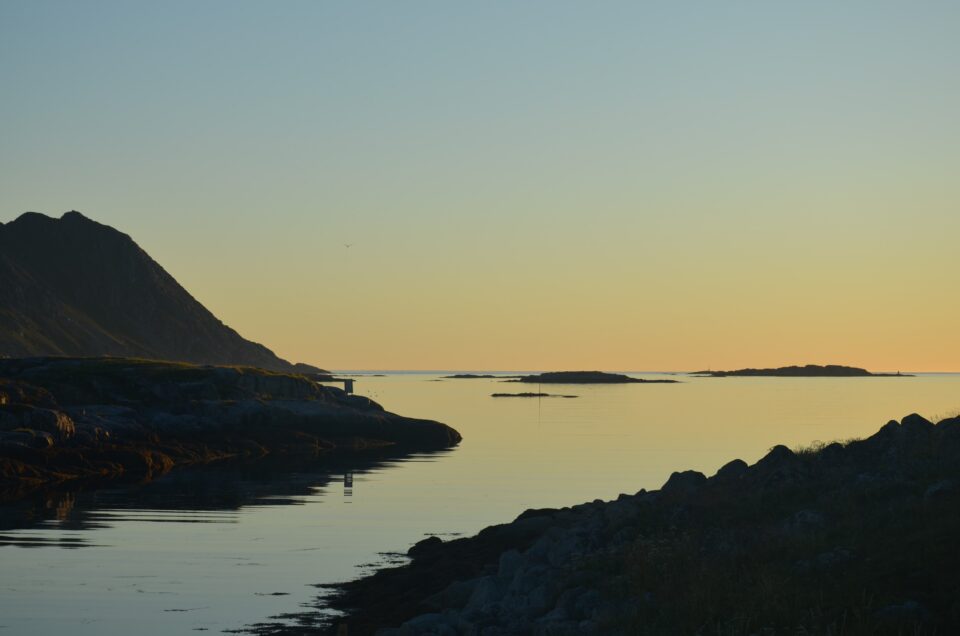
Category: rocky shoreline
[105,418]
[851,538]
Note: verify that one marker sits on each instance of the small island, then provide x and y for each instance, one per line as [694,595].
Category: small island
[530,395]
[806,371]
[585,377]
[468,376]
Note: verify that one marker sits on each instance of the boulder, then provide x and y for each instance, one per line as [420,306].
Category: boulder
[426,546]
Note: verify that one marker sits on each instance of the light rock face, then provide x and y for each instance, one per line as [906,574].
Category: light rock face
[582,570]
[63,417]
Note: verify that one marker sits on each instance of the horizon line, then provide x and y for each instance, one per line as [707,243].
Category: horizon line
[530,371]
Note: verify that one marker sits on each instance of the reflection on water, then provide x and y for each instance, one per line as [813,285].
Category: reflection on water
[62,516]
[217,547]
[205,548]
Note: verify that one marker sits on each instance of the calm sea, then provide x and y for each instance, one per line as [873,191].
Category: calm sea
[226,546]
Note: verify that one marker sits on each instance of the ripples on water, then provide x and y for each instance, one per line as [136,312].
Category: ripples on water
[231,544]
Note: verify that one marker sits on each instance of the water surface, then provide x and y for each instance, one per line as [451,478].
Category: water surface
[224,546]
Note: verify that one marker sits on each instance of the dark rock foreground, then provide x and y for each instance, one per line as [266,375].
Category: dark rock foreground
[854,538]
[69,418]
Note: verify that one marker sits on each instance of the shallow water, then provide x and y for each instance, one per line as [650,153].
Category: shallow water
[225,546]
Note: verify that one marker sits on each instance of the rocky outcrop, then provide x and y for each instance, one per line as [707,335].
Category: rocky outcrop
[847,538]
[66,418]
[585,377]
[73,287]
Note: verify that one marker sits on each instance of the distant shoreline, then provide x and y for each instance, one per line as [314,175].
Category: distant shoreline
[519,373]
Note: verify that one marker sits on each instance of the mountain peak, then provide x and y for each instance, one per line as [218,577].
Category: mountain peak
[76,287]
[73,215]
[31,217]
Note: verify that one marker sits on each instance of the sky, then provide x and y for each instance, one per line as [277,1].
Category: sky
[536,186]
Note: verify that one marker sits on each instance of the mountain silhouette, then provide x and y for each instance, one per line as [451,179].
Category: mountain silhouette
[75,287]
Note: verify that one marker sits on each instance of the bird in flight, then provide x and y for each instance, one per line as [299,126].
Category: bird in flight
[348,244]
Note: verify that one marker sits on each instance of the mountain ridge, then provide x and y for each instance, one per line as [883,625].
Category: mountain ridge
[76,287]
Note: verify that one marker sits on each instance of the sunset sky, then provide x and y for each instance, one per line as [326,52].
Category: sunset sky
[537,185]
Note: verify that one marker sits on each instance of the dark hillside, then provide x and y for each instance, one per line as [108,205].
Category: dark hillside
[75,287]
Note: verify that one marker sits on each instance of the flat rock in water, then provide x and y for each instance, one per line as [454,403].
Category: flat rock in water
[530,395]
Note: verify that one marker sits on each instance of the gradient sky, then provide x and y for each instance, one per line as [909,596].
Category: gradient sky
[537,185]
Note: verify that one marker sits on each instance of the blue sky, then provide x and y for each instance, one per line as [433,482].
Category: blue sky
[495,162]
